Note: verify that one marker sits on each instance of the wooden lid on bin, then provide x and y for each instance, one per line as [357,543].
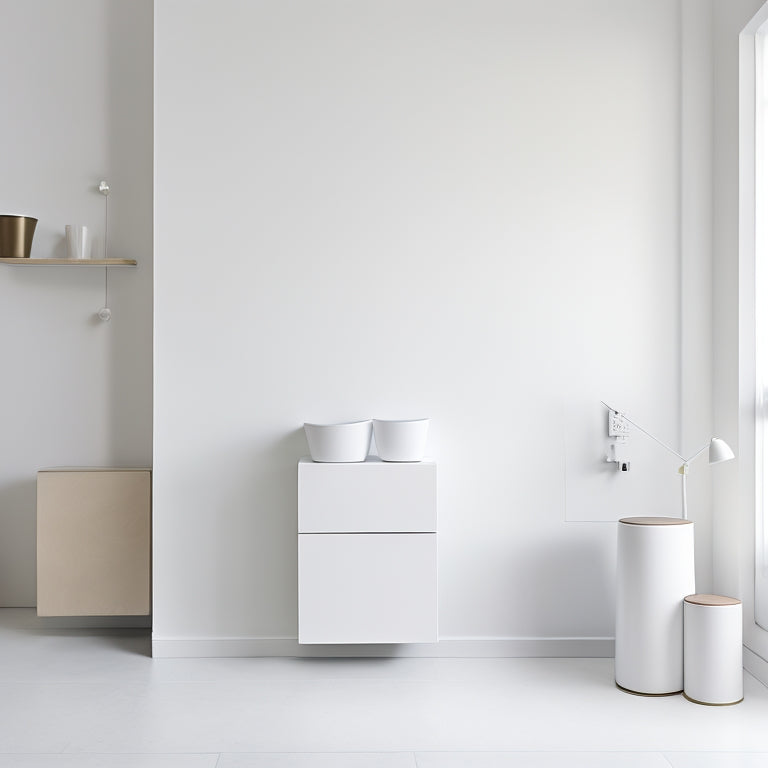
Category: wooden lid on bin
[655,521]
[712,600]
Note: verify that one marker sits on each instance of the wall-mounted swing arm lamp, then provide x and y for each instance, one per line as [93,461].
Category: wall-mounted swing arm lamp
[719,451]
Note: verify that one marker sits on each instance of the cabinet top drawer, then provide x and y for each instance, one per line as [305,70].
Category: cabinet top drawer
[368,497]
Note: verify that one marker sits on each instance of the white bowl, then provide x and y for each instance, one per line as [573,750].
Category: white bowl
[401,440]
[339,442]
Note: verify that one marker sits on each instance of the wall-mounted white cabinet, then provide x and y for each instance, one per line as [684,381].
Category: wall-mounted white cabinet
[367,552]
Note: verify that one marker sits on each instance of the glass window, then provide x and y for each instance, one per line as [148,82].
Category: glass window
[761,326]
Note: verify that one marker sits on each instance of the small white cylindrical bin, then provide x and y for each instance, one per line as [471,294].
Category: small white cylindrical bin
[713,658]
[655,571]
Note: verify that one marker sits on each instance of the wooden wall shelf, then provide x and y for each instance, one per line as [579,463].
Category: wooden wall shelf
[69,262]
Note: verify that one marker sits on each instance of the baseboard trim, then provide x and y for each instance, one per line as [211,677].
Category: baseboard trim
[756,665]
[451,647]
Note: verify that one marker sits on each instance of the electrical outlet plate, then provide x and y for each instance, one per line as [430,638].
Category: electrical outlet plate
[618,426]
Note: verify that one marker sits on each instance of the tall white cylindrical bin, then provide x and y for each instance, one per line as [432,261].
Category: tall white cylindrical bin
[655,571]
[713,656]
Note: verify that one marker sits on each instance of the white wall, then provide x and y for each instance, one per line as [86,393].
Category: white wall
[734,383]
[77,107]
[470,211]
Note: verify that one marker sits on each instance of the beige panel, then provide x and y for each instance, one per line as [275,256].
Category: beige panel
[93,543]
[712,600]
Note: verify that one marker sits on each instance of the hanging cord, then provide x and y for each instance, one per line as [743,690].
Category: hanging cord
[105,313]
[104,189]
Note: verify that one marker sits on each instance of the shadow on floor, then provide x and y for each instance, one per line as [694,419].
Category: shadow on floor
[135,638]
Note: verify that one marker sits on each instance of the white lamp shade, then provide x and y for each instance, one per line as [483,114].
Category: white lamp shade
[719,451]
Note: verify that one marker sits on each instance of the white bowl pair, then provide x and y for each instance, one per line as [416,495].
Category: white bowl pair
[400,440]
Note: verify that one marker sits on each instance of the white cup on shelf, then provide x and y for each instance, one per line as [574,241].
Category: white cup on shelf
[78,241]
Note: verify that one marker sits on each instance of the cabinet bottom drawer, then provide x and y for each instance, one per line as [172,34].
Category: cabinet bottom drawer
[368,588]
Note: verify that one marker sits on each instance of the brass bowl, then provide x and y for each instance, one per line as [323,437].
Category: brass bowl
[16,234]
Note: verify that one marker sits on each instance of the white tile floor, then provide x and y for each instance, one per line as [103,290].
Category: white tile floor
[94,698]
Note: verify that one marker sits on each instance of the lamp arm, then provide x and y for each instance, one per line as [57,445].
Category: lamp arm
[663,445]
[697,454]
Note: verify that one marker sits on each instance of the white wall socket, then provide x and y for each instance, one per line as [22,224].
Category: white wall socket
[618,426]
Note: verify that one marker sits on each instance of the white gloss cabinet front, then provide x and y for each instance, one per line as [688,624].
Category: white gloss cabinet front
[367,552]
[372,496]
[368,588]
